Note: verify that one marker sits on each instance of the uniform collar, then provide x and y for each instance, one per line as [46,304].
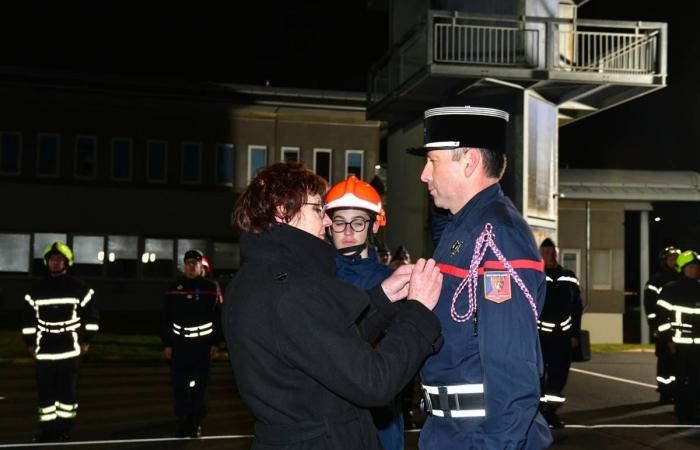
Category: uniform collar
[477,202]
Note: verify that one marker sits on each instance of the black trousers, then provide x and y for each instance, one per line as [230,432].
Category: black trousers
[189,371]
[687,382]
[57,383]
[556,354]
[665,366]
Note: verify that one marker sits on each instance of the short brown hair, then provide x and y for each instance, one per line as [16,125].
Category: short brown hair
[286,185]
[494,161]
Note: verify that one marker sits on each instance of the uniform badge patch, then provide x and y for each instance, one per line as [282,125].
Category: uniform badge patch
[456,247]
[497,286]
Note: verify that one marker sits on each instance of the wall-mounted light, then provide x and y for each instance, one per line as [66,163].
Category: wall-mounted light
[657,219]
[101,256]
[144,258]
[112,257]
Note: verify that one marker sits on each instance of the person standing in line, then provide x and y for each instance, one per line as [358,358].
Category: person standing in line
[678,310]
[665,364]
[560,329]
[60,318]
[482,390]
[191,336]
[356,213]
[300,338]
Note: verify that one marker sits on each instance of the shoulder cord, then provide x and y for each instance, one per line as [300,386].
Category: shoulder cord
[483,242]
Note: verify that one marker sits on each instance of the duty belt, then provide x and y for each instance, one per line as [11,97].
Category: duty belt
[459,400]
[549,327]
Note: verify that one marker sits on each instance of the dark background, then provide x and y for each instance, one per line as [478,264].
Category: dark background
[332,44]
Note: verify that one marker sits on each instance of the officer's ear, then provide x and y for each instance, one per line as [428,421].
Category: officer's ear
[470,160]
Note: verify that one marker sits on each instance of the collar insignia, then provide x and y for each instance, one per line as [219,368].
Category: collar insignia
[456,247]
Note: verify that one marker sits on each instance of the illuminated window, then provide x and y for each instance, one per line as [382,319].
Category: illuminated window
[88,255]
[157,258]
[257,160]
[14,256]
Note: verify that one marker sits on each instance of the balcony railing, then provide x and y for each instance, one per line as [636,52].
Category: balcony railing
[535,43]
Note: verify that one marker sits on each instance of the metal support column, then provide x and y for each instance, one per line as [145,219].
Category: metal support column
[643,272]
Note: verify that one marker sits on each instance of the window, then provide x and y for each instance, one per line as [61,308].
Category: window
[47,155]
[257,160]
[571,259]
[322,163]
[183,245]
[122,256]
[157,258]
[225,164]
[14,256]
[121,159]
[88,255]
[601,269]
[191,168]
[86,157]
[226,257]
[41,241]
[354,163]
[157,161]
[290,154]
[10,152]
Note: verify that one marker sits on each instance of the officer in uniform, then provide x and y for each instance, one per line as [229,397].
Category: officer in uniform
[59,319]
[665,378]
[191,336]
[678,314]
[483,388]
[560,328]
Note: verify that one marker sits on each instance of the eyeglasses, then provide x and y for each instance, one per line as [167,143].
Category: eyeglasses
[320,208]
[357,225]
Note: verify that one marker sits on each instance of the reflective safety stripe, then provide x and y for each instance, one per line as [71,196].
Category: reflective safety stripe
[59,324]
[57,301]
[47,417]
[651,316]
[192,383]
[92,327]
[66,414]
[195,331]
[668,380]
[548,324]
[29,330]
[201,333]
[548,278]
[47,409]
[682,309]
[564,328]
[66,406]
[58,356]
[567,321]
[550,327]
[664,327]
[28,298]
[569,279]
[651,287]
[57,330]
[685,340]
[548,398]
[456,389]
[460,413]
[87,298]
[200,327]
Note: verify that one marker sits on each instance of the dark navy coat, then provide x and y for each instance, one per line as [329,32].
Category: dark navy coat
[362,273]
[505,353]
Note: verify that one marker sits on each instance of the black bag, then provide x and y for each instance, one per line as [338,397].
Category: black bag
[583,351]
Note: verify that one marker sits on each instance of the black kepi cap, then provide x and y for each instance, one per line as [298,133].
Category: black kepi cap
[193,254]
[452,127]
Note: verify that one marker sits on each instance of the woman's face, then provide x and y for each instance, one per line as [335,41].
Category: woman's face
[312,217]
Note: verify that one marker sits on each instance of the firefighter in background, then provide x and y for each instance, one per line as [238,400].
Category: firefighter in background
[191,336]
[678,314]
[559,328]
[208,272]
[59,319]
[664,363]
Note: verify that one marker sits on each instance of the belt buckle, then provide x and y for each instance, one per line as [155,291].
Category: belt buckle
[425,404]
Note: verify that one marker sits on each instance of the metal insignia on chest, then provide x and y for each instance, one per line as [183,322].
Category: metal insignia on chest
[456,247]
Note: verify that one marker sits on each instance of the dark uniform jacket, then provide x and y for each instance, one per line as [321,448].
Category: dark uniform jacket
[678,310]
[299,344]
[364,273]
[59,315]
[499,347]
[563,307]
[651,293]
[191,313]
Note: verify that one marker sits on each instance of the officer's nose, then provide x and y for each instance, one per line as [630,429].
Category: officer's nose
[427,173]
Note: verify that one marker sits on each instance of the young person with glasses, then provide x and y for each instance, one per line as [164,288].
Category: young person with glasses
[355,210]
[299,336]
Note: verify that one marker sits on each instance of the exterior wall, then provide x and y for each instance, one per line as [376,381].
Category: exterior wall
[604,328]
[139,208]
[607,235]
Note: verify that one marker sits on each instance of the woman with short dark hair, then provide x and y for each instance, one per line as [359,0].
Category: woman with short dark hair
[299,338]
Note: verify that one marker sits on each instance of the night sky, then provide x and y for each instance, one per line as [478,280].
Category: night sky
[331,45]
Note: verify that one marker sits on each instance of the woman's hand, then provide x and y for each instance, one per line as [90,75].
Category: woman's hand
[396,286]
[425,283]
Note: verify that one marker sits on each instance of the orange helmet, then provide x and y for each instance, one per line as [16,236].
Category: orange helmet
[355,193]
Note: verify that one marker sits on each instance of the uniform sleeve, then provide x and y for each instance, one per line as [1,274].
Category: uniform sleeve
[89,316]
[511,358]
[577,308]
[166,330]
[326,348]
[651,295]
[665,315]
[29,321]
